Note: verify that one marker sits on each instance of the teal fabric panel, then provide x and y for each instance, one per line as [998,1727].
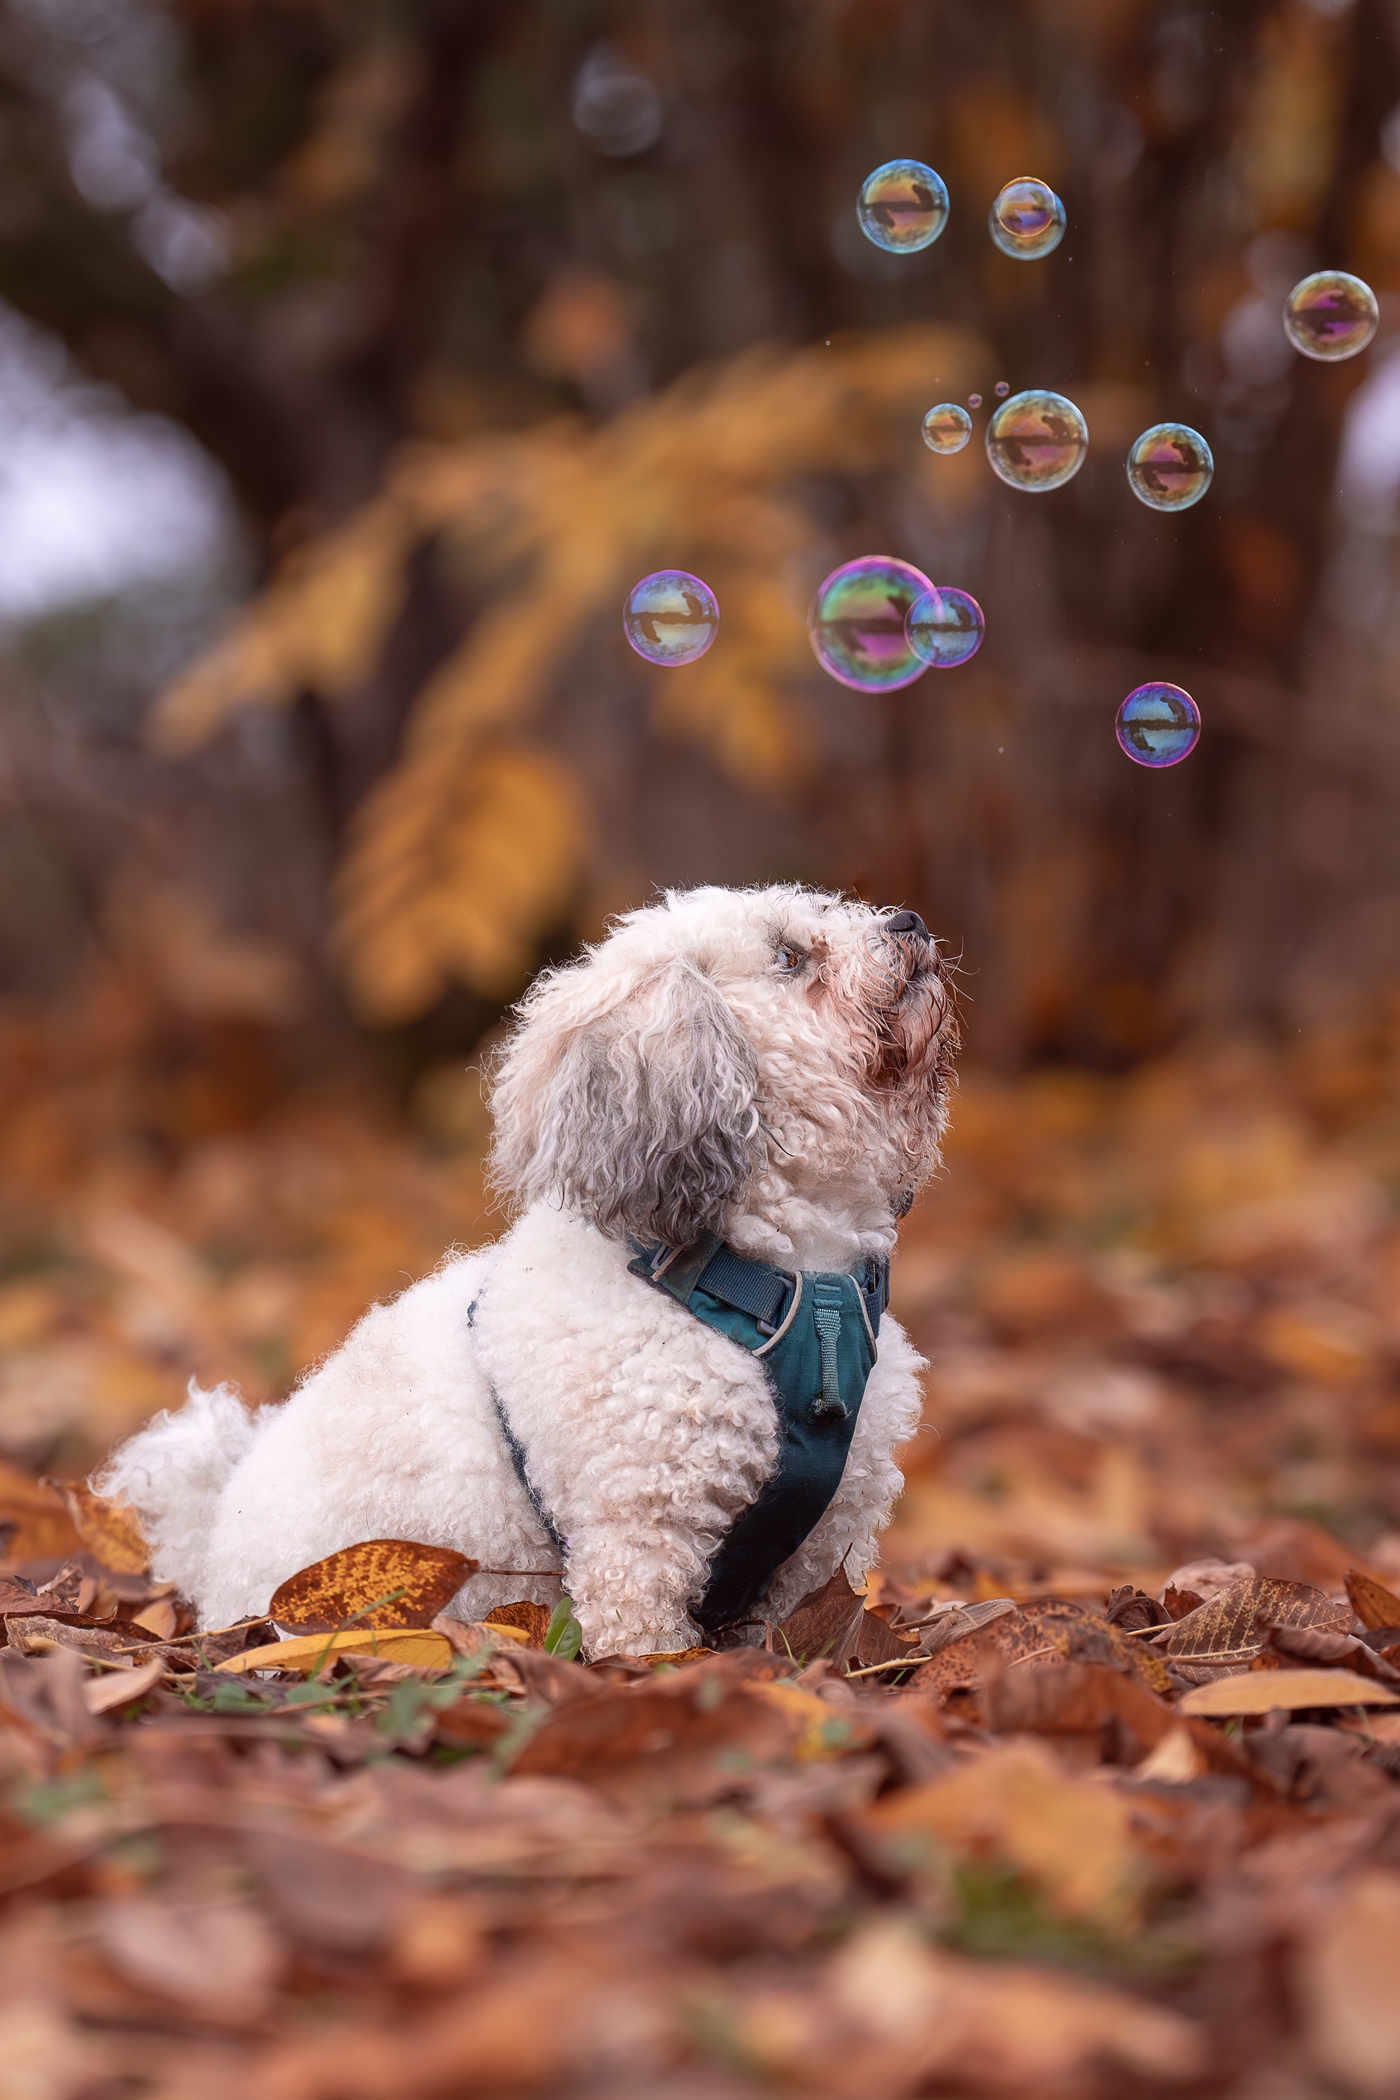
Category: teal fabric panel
[816,1435]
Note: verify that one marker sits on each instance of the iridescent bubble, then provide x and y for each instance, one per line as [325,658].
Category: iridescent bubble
[1027,219]
[1002,389]
[1037,440]
[974,400]
[1170,467]
[856,623]
[902,206]
[670,617]
[945,626]
[1158,725]
[1330,315]
[947,427]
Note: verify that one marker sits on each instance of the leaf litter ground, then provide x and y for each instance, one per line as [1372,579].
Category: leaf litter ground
[1095,1791]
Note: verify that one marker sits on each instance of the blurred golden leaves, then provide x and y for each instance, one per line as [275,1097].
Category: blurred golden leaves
[474,843]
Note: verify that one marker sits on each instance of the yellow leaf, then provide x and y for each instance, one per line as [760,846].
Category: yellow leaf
[306,1651]
[1261,1691]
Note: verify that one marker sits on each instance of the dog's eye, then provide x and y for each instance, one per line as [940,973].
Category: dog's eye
[788,960]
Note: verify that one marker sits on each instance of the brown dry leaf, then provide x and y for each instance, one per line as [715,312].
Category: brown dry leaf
[1072,1839]
[329,1895]
[1076,1699]
[216,1956]
[524,1617]
[681,1740]
[474,1637]
[943,2021]
[118,1688]
[1224,1633]
[42,1525]
[1262,1691]
[1372,1602]
[307,1651]
[109,1529]
[1349,1983]
[340,1588]
[820,1624]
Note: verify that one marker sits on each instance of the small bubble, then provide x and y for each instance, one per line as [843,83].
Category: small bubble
[1330,315]
[1037,440]
[947,427]
[1170,467]
[974,400]
[1002,389]
[857,623]
[902,206]
[1027,219]
[945,626]
[670,617]
[1158,725]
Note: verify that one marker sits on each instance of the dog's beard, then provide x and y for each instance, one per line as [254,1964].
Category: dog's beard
[915,1036]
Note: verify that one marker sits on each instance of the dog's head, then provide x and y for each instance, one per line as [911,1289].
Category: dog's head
[725,1050]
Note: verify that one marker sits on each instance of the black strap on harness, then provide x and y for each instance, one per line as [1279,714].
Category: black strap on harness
[517,1456]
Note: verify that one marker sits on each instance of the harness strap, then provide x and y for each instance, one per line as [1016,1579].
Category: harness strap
[517,1458]
[752,1287]
[826,1318]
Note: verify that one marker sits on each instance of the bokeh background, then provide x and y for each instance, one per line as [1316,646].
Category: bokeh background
[354,360]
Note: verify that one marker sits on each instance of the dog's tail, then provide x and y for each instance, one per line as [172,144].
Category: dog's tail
[171,1471]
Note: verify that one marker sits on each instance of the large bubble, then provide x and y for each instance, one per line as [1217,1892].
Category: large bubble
[1330,315]
[670,617]
[902,206]
[1170,467]
[945,626]
[857,623]
[1037,440]
[947,427]
[1158,725]
[1027,219]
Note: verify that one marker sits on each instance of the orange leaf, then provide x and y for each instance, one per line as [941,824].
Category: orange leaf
[1372,1602]
[420,1581]
[1260,1691]
[108,1529]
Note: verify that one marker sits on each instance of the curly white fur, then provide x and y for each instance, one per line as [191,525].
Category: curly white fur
[771,1064]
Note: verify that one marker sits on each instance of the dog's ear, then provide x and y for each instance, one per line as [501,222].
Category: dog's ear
[629,1095]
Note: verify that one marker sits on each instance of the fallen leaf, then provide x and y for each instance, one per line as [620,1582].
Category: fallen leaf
[327,1894]
[682,1740]
[378,1583]
[1348,1976]
[109,1529]
[1174,1760]
[474,1637]
[307,1651]
[117,1688]
[216,1956]
[1261,1691]
[1372,1602]
[1078,1698]
[1224,1633]
[524,1617]
[820,1624]
[42,1525]
[823,1730]
[1071,1838]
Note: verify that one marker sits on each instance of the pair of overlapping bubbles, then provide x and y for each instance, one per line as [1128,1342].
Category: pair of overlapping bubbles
[903,207]
[877,624]
[1035,440]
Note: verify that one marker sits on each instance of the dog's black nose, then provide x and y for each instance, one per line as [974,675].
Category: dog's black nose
[906,922]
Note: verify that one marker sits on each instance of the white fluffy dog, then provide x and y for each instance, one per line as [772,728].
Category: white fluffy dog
[765,1068]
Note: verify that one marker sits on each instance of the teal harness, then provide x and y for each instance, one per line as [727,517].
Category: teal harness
[814,1335]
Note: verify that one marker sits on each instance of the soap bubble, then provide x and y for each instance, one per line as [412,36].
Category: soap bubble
[1027,219]
[856,623]
[670,617]
[974,400]
[947,427]
[1170,467]
[1037,440]
[1330,315]
[1158,725]
[1002,389]
[903,206]
[945,626]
